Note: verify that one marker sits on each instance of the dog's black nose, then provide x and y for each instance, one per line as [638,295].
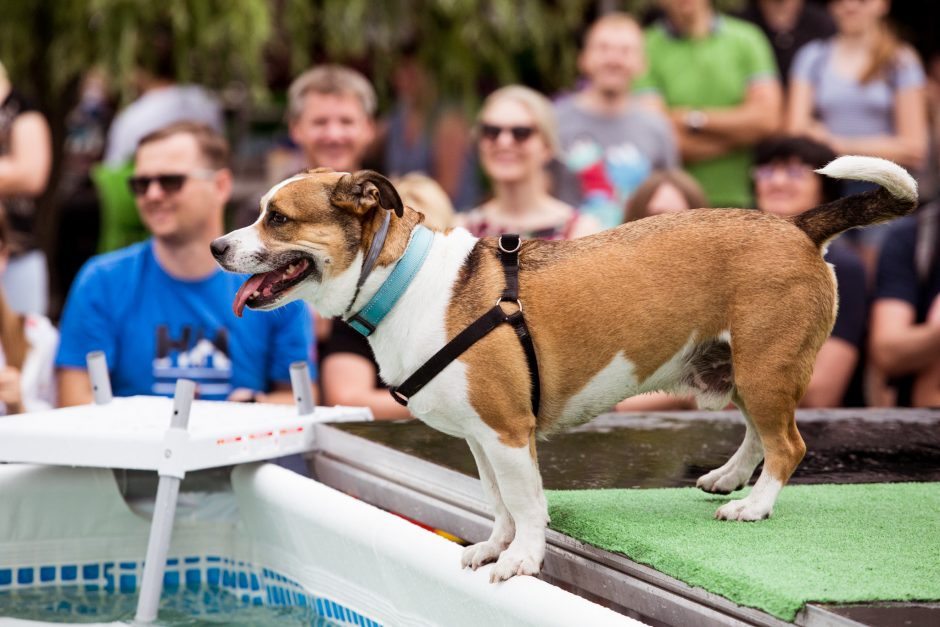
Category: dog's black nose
[219,247]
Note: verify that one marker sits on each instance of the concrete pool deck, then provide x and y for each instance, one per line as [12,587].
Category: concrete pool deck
[428,476]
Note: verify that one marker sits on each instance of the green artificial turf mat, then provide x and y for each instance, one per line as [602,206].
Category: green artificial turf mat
[824,543]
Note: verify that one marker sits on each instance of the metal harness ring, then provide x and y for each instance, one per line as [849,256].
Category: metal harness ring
[510,300]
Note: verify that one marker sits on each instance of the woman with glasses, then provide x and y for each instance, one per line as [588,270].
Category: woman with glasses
[786,185]
[518,138]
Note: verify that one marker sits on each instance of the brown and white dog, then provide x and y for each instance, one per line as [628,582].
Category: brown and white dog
[731,305]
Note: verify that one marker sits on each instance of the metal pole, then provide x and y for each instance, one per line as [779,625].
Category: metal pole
[98,373]
[301,385]
[164,511]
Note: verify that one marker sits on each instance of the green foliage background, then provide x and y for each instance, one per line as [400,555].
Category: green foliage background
[47,44]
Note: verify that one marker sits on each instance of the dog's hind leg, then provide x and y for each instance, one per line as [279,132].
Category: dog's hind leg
[504,530]
[770,401]
[520,485]
[736,472]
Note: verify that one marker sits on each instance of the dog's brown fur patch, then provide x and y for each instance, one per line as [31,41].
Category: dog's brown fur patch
[644,289]
[326,214]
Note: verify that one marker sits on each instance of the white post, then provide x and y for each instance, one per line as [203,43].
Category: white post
[164,511]
[98,373]
[301,385]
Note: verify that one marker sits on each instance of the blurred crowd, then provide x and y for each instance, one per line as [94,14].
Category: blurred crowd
[697,109]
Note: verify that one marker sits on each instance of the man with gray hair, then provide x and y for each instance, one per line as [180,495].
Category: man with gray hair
[331,113]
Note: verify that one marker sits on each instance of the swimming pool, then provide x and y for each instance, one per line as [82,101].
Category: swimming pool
[276,539]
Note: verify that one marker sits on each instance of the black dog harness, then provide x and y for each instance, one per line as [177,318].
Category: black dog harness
[509,256]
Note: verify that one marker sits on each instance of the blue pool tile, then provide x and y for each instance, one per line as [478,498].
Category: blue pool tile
[128,565]
[212,576]
[69,573]
[213,558]
[255,584]
[243,579]
[47,573]
[91,572]
[191,560]
[172,561]
[92,587]
[171,579]
[128,583]
[24,575]
[257,601]
[6,576]
[193,575]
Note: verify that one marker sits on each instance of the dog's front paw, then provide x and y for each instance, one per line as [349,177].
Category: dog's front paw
[718,482]
[514,562]
[743,509]
[481,553]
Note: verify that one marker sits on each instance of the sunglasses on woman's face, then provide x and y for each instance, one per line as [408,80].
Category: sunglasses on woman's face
[519,133]
[169,183]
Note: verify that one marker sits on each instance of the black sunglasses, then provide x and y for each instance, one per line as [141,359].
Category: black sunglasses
[519,133]
[169,183]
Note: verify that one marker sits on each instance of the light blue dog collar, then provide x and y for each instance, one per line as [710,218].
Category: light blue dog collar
[368,318]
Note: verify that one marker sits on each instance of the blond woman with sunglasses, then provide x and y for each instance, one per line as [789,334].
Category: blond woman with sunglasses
[518,138]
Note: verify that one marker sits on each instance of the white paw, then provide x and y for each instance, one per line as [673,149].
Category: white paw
[514,561]
[743,509]
[718,482]
[481,553]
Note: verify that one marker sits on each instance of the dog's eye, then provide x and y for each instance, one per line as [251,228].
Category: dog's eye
[276,218]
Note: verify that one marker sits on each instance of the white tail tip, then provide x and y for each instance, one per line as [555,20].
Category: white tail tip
[886,173]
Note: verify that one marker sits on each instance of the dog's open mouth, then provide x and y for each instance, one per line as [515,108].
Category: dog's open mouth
[266,288]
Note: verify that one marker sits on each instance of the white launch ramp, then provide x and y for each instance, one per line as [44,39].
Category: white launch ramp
[169,436]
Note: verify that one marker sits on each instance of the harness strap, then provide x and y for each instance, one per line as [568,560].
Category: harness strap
[509,255]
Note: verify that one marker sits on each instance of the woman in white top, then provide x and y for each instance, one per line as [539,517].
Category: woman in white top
[518,138]
[27,351]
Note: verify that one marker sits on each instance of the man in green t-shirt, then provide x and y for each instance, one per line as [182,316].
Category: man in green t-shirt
[716,78]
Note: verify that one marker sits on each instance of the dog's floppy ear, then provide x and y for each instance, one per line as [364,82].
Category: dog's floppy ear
[364,191]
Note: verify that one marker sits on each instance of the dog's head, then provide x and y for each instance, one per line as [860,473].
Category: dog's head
[311,231]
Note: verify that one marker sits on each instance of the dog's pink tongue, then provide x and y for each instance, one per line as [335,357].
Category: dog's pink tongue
[245,291]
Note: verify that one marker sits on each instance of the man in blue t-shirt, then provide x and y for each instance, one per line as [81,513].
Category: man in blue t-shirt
[161,309]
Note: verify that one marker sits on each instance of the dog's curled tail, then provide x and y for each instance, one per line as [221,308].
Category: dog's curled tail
[897,197]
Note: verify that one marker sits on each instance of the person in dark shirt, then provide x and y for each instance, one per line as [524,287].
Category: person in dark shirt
[905,335]
[788,25]
[786,185]
[331,111]
[25,164]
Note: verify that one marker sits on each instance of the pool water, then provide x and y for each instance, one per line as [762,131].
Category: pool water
[187,606]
